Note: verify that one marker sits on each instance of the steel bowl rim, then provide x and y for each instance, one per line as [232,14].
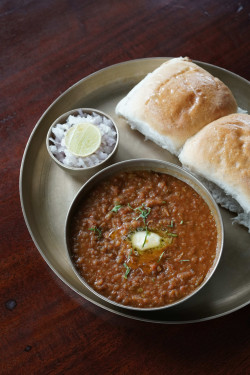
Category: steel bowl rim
[110,170]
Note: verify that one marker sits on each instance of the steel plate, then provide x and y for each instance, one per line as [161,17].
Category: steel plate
[46,192]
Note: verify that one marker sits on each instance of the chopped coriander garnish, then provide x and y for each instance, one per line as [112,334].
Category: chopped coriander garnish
[128,269]
[97,231]
[172,234]
[116,208]
[181,222]
[130,253]
[144,212]
[146,235]
[161,256]
[184,260]
[171,224]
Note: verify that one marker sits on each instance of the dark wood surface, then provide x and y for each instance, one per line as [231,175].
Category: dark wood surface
[46,46]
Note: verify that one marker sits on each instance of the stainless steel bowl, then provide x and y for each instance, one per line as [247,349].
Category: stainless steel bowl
[76,170]
[157,166]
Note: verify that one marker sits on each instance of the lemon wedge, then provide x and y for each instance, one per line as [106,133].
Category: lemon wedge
[83,139]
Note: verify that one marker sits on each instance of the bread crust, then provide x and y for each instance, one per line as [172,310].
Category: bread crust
[220,152]
[175,101]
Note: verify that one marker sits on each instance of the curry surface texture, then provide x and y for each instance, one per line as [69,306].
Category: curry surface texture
[103,227]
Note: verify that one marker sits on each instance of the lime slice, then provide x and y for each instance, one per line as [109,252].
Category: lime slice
[83,139]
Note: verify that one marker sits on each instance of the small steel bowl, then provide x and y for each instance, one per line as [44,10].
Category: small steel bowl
[157,166]
[77,171]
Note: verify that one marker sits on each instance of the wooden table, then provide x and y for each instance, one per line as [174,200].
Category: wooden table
[47,46]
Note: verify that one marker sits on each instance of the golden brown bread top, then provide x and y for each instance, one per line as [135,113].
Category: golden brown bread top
[185,99]
[220,152]
[176,100]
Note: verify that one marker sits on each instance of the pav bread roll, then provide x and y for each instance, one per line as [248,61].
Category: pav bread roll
[174,102]
[220,153]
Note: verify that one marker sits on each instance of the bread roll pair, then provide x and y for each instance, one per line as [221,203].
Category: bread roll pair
[192,114]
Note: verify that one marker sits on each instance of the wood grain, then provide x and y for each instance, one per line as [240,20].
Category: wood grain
[46,46]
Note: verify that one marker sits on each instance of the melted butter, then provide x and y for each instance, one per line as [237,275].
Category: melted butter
[144,240]
[148,248]
[148,240]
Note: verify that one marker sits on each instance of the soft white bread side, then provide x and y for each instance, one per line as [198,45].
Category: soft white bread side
[174,102]
[220,152]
